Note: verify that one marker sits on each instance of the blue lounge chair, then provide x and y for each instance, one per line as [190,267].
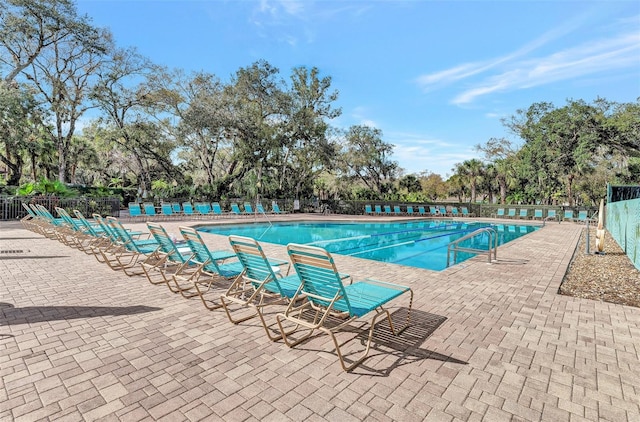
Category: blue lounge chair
[524,214]
[187,209]
[260,284]
[260,209]
[176,208]
[568,215]
[397,210]
[170,259]
[538,214]
[248,209]
[583,217]
[235,210]
[552,215]
[422,211]
[368,210]
[149,209]
[443,210]
[387,209]
[217,209]
[465,212]
[71,232]
[378,209]
[209,267]
[276,208]
[499,213]
[454,211]
[130,252]
[432,210]
[409,210]
[31,220]
[166,210]
[135,211]
[101,239]
[327,296]
[511,213]
[203,208]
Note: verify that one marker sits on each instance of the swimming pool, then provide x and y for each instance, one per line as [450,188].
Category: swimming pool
[421,244]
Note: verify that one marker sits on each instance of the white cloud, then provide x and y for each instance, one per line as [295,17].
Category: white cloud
[586,59]
[518,70]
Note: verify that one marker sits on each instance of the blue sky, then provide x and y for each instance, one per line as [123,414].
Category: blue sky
[435,77]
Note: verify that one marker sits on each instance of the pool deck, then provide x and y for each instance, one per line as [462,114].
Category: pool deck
[492,342]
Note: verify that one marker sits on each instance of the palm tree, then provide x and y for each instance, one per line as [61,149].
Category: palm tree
[472,171]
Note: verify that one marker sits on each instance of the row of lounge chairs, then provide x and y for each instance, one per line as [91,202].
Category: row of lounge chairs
[421,211]
[538,214]
[172,210]
[313,294]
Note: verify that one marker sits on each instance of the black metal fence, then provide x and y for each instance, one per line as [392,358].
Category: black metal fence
[11,206]
[622,193]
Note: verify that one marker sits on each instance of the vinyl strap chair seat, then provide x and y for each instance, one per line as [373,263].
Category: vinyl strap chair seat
[261,283]
[170,260]
[327,297]
[210,267]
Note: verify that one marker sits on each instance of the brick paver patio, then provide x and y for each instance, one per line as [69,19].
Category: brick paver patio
[491,342]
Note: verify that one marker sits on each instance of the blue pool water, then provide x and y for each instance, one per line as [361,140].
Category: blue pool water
[421,244]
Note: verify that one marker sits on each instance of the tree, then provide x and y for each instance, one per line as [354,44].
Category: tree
[308,149]
[410,183]
[120,93]
[30,28]
[433,185]
[21,127]
[366,159]
[472,172]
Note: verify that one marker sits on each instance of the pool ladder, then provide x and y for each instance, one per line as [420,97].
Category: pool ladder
[493,245]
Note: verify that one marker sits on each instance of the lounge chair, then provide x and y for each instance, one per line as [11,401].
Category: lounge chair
[203,208]
[217,209]
[260,284]
[499,213]
[331,303]
[175,206]
[583,217]
[511,213]
[101,238]
[260,209]
[129,251]
[538,214]
[149,209]
[187,209]
[276,208]
[443,210]
[209,267]
[455,212]
[135,211]
[169,259]
[552,215]
[422,211]
[465,212]
[568,215]
[387,209]
[71,232]
[166,210]
[524,214]
[433,210]
[378,209]
[235,210]
[248,209]
[368,210]
[30,220]
[409,210]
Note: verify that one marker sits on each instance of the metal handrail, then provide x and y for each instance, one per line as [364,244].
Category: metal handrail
[493,245]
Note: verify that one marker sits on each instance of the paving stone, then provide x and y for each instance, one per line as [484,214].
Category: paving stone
[495,342]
